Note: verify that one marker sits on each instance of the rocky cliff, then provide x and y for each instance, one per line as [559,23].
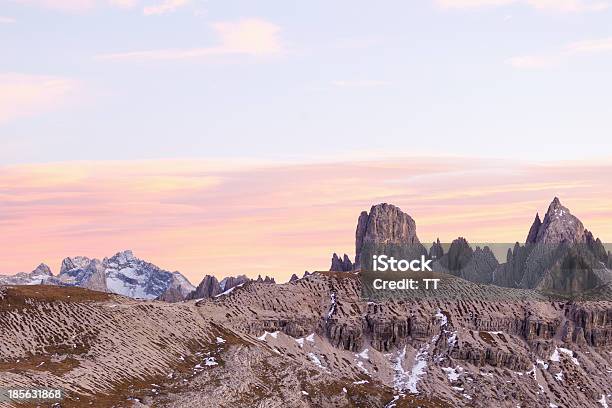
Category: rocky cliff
[385,224]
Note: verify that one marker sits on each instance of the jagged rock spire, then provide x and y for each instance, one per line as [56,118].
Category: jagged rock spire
[341,265]
[559,225]
[533,231]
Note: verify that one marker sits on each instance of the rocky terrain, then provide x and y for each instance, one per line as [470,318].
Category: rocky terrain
[315,341]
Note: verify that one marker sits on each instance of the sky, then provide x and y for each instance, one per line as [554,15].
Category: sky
[198,133]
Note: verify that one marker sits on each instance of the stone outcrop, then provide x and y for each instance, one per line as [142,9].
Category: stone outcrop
[266,280]
[385,224]
[209,287]
[436,251]
[343,264]
[473,265]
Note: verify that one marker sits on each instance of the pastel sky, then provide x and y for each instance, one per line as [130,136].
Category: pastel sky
[229,217]
[191,131]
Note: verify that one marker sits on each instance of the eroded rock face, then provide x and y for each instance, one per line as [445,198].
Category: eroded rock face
[385,224]
[322,337]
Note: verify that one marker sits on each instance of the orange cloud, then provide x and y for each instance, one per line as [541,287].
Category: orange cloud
[228,217]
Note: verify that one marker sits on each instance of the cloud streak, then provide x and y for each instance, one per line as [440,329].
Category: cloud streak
[167,6]
[563,6]
[362,83]
[566,53]
[251,36]
[28,95]
[208,217]
[77,6]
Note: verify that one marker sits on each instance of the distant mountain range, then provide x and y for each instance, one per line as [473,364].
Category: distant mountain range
[126,275]
[559,255]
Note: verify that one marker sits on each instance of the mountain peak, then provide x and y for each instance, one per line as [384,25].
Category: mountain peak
[124,256]
[42,269]
[559,225]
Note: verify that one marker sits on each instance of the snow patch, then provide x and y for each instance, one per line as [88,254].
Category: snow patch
[333,306]
[556,357]
[452,340]
[409,380]
[361,366]
[542,363]
[230,290]
[266,334]
[452,373]
[210,361]
[442,317]
[313,357]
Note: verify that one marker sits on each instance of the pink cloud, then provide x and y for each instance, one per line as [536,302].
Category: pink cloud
[27,95]
[250,36]
[227,218]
